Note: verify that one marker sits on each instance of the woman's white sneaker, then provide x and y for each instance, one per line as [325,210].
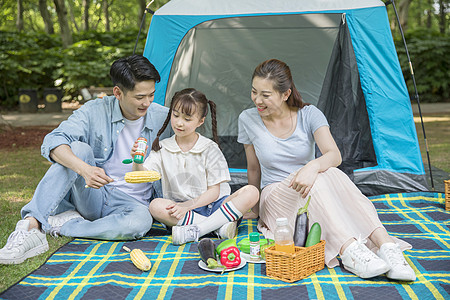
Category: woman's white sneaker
[399,267]
[358,259]
[23,244]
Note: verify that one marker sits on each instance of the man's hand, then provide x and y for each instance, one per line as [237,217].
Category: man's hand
[177,211]
[95,177]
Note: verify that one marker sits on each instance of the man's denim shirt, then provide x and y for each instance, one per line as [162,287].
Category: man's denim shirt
[98,123]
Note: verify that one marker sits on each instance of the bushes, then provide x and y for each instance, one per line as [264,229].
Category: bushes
[429,57]
[38,61]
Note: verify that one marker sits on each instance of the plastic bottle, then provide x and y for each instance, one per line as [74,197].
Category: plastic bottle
[284,241]
[254,246]
[140,151]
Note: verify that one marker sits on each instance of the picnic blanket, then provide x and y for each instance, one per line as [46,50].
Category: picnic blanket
[90,269]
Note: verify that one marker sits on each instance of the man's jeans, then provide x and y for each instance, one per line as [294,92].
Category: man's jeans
[109,213]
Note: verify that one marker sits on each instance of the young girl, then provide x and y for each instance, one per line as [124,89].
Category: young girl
[194,175]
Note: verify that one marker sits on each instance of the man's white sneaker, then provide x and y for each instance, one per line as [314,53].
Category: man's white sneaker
[60,219]
[23,244]
[185,234]
[393,256]
[227,230]
[358,259]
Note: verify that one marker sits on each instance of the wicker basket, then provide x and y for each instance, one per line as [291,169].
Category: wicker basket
[447,194]
[291,267]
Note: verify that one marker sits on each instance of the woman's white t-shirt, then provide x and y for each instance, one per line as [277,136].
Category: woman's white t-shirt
[280,157]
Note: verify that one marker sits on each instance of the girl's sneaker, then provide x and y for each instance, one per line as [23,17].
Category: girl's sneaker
[227,231]
[358,259]
[393,256]
[185,234]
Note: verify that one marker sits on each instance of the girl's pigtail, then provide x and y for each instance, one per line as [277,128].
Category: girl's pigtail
[155,145]
[212,107]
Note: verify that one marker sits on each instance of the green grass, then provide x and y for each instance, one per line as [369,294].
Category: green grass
[437,131]
[20,172]
[22,169]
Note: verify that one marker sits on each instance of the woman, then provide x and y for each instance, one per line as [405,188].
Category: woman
[279,137]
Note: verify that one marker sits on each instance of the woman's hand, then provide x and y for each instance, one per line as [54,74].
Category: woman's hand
[177,211]
[304,180]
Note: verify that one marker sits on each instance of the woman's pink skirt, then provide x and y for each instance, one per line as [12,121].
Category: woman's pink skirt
[342,211]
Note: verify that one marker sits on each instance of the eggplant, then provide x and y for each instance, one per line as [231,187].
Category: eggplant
[207,250]
[301,225]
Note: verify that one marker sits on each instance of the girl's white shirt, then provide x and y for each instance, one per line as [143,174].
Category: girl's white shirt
[187,175]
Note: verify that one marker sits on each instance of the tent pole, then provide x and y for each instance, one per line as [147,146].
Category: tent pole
[147,9]
[415,88]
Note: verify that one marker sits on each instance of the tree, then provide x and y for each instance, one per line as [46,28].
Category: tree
[142,6]
[403,10]
[86,5]
[19,21]
[442,15]
[66,34]
[105,8]
[46,17]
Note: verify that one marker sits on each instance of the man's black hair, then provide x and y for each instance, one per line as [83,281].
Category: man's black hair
[127,71]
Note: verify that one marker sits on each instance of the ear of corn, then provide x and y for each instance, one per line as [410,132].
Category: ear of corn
[139,259]
[142,176]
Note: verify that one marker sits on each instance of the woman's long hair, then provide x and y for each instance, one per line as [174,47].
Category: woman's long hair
[280,74]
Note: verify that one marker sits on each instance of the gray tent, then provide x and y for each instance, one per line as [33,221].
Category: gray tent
[343,61]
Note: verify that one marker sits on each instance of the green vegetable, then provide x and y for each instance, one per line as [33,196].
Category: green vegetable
[244,244]
[226,244]
[313,235]
[262,251]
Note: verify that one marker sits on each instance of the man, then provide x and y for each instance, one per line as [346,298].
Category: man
[83,194]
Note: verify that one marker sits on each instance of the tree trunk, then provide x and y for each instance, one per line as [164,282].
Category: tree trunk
[46,17]
[403,9]
[19,21]
[66,34]
[442,16]
[429,13]
[86,5]
[105,7]
[72,16]
[142,6]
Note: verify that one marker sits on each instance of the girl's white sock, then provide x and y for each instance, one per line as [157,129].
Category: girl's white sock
[227,212]
[191,217]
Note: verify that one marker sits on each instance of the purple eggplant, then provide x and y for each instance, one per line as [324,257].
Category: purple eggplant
[207,250]
[301,225]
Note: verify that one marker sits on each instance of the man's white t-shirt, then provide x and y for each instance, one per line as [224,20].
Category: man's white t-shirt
[115,169]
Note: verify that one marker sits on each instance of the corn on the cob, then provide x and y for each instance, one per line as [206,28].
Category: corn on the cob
[139,259]
[142,176]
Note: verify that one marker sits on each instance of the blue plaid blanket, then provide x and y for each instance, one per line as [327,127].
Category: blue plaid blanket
[89,269]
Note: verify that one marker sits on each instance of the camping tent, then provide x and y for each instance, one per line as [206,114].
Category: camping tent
[343,60]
